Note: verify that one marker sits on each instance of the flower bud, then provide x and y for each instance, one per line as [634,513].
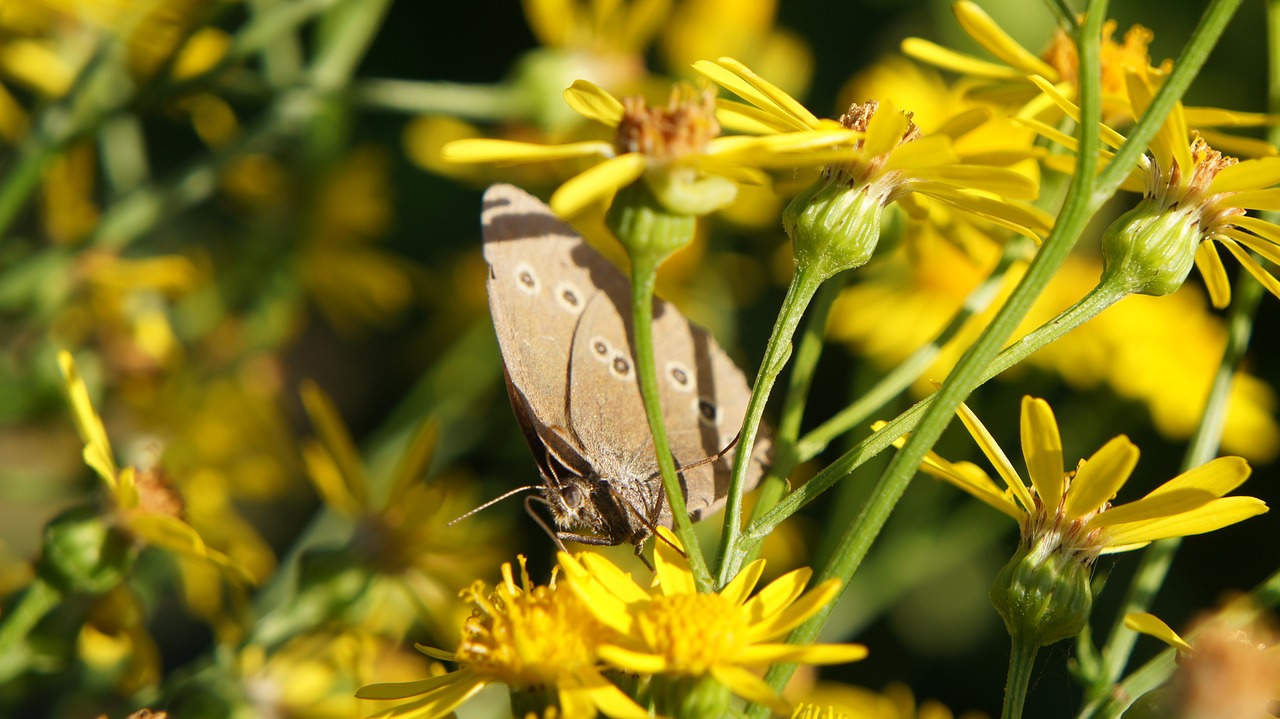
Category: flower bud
[84,553]
[1043,596]
[833,227]
[690,696]
[1150,249]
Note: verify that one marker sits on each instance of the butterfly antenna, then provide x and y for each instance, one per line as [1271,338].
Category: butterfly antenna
[528,507]
[494,501]
[705,460]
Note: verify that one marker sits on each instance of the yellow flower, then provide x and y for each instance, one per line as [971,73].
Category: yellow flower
[1071,513]
[895,702]
[1229,666]
[527,637]
[677,632]
[677,150]
[418,563]
[143,501]
[889,159]
[1193,196]
[1005,80]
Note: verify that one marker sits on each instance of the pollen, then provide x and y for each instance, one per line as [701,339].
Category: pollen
[684,127]
[694,632]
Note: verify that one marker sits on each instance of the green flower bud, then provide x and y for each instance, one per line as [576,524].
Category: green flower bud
[1150,249]
[690,696]
[832,227]
[83,553]
[1043,596]
[648,231]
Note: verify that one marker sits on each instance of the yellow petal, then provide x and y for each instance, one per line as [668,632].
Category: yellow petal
[415,460]
[1265,247]
[1237,145]
[998,181]
[606,695]
[674,575]
[1214,274]
[599,183]
[1151,625]
[1266,279]
[748,686]
[404,690]
[759,654]
[97,448]
[1022,219]
[588,100]
[1108,136]
[963,123]
[1247,175]
[1042,449]
[795,613]
[988,34]
[1100,477]
[440,702]
[928,151]
[741,117]
[998,459]
[1215,515]
[970,478]
[1191,489]
[958,62]
[333,433]
[1256,200]
[507,152]
[1200,117]
[884,130]
[434,653]
[1171,142]
[737,591]
[327,480]
[745,83]
[631,661]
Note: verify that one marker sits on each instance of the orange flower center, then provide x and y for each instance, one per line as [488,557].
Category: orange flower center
[684,127]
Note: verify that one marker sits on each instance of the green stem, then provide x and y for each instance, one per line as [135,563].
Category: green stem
[644,275]
[37,600]
[785,440]
[910,369]
[1022,657]
[975,363]
[804,283]
[1099,298]
[412,97]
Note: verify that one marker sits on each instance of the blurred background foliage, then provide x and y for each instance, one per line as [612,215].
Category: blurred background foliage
[251,246]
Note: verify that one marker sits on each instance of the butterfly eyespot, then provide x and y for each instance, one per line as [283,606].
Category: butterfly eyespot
[526,279]
[601,349]
[708,413]
[620,366]
[569,297]
[679,377]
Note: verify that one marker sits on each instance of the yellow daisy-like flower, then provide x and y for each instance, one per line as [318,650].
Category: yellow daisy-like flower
[677,150]
[890,159]
[1229,666]
[1193,196]
[1005,80]
[677,632]
[144,502]
[527,637]
[1072,511]
[830,700]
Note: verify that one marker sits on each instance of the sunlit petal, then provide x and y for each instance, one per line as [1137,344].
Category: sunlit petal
[1101,476]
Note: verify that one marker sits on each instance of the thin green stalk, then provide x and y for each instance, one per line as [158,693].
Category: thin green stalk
[805,362]
[1092,304]
[1022,657]
[910,369]
[804,283]
[644,275]
[413,97]
[38,599]
[968,372]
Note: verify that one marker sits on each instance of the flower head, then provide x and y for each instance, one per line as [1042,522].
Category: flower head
[1193,196]
[676,633]
[676,149]
[530,638]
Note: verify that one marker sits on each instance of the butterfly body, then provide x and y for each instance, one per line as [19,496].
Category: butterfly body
[561,312]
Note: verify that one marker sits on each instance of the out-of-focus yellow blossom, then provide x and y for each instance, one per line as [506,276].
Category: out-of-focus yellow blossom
[895,702]
[1193,196]
[1139,348]
[1229,666]
[676,150]
[677,633]
[419,563]
[355,284]
[114,638]
[1005,80]
[68,211]
[539,640]
[144,502]
[315,676]
[1070,512]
